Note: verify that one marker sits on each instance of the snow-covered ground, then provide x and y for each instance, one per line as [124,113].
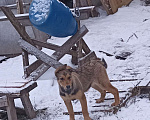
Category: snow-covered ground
[126,31]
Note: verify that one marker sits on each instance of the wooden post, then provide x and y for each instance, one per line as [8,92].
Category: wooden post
[28,106]
[25,59]
[11,111]
[19,6]
[24,53]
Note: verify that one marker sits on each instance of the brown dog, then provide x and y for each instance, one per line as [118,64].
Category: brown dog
[73,83]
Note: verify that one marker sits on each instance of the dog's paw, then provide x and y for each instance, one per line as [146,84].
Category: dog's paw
[114,104]
[99,100]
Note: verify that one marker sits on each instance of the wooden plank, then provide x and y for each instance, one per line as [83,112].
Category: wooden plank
[14,6]
[74,58]
[38,72]
[23,19]
[20,29]
[11,111]
[70,42]
[85,47]
[33,66]
[28,106]
[19,6]
[79,49]
[25,59]
[29,88]
[46,45]
[51,61]
[50,46]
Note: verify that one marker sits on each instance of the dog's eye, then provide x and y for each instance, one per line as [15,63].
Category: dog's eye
[69,78]
[61,78]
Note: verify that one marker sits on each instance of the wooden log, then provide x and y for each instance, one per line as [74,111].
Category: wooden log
[14,6]
[11,111]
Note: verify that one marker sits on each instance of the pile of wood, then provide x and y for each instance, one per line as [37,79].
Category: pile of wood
[111,6]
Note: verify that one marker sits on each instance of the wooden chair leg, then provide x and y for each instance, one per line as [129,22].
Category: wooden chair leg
[27,105]
[11,110]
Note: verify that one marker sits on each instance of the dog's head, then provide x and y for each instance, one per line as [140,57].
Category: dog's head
[64,78]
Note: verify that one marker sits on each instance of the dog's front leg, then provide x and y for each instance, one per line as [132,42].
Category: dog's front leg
[70,109]
[84,107]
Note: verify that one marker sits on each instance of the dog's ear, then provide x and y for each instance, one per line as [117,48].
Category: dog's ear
[69,68]
[60,69]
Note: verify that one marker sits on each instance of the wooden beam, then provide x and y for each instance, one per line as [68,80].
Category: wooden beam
[46,45]
[25,59]
[29,88]
[85,47]
[33,66]
[51,61]
[70,42]
[14,6]
[28,106]
[38,72]
[19,6]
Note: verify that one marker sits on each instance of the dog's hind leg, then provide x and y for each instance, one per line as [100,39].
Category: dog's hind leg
[103,92]
[115,92]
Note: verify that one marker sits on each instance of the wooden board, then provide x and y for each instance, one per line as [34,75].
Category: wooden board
[53,60]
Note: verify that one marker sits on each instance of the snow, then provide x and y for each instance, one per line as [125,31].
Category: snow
[126,31]
[40,9]
[2,58]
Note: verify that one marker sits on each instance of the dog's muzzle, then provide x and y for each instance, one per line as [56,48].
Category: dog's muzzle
[68,89]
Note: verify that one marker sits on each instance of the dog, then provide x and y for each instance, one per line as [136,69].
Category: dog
[74,82]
